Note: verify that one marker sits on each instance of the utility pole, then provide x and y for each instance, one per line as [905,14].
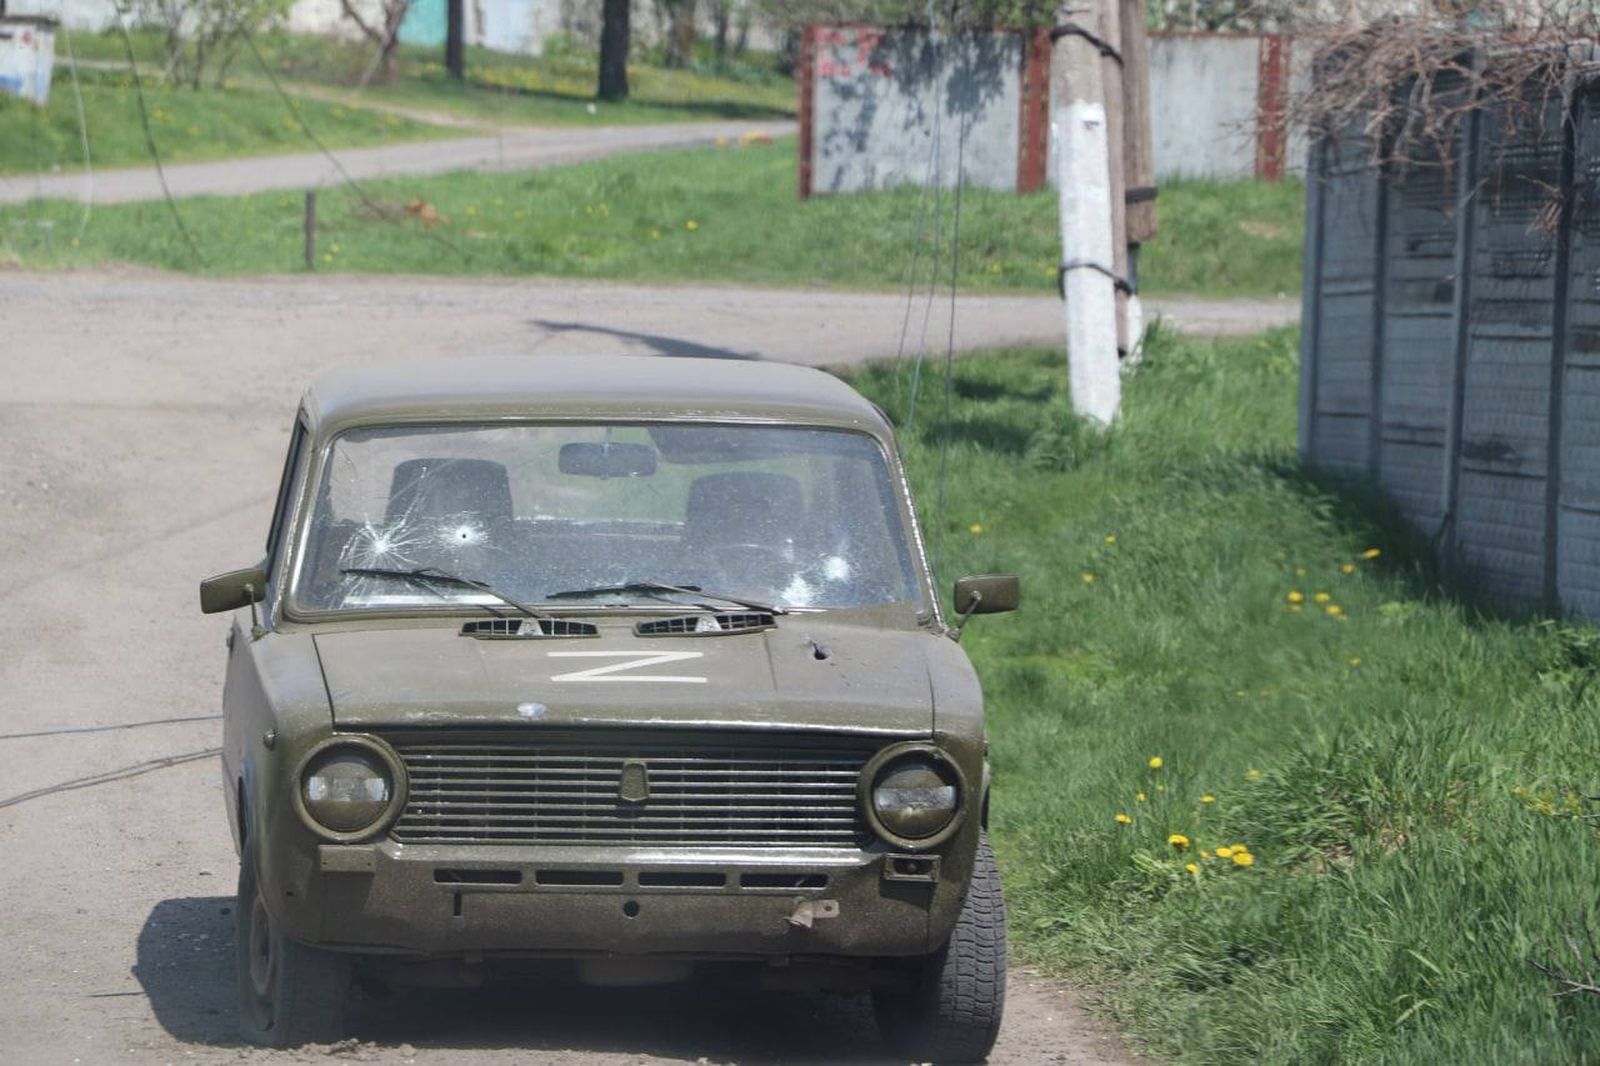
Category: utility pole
[1138,153]
[1078,127]
[455,63]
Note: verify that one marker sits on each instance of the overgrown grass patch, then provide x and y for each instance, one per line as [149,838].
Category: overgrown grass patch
[554,89]
[1407,777]
[728,214]
[187,126]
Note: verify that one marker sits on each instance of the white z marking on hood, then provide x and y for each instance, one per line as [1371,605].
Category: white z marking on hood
[633,661]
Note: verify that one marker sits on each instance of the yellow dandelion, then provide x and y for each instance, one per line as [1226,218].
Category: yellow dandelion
[691,225]
[1296,596]
[1224,853]
[1192,868]
[1111,538]
[1371,553]
[1139,796]
[975,529]
[1208,798]
[1178,840]
[1322,597]
[1348,568]
[1240,847]
[1355,660]
[1155,762]
[1088,577]
[1334,609]
[1123,819]
[1243,858]
[1252,772]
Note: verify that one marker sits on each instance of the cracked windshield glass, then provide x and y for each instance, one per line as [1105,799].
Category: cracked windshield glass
[793,516]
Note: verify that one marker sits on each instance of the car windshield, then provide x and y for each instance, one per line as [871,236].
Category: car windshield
[794,516]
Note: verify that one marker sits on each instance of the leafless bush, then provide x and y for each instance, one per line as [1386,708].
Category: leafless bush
[1573,966]
[203,37]
[1406,82]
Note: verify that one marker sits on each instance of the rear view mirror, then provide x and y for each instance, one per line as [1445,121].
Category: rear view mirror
[608,460]
[987,594]
[235,589]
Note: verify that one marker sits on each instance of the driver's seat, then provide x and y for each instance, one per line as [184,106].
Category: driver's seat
[740,508]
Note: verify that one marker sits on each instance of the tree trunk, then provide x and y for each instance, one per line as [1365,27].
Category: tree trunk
[723,18]
[614,41]
[680,34]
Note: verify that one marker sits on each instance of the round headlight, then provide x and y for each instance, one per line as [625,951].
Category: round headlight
[346,789]
[915,798]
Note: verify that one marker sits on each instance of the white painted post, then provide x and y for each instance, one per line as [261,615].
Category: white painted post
[1088,252]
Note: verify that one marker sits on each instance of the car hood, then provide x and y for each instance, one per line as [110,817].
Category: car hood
[809,673]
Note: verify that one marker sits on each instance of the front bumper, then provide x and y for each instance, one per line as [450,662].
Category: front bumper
[455,901]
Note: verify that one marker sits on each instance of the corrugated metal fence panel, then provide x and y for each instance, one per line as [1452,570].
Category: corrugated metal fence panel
[1418,352]
[1578,528]
[1341,406]
[1505,431]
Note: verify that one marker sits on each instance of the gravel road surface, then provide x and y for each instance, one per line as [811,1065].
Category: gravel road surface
[142,422]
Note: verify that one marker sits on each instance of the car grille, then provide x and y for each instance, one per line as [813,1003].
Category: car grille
[570,791]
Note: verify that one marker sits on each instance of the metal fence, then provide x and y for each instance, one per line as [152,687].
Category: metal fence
[1451,348]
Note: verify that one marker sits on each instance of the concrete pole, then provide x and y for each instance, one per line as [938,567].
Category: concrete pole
[1078,131]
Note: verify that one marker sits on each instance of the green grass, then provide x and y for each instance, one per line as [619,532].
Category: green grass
[555,89]
[186,126]
[630,218]
[1406,778]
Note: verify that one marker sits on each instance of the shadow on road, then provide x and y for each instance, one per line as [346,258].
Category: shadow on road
[662,345]
[185,966]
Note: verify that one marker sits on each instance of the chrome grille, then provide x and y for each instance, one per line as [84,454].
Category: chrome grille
[570,791]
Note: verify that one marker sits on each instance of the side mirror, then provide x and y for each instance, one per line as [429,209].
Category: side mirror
[987,594]
[235,589]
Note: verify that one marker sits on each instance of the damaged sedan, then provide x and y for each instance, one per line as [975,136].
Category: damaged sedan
[612,668]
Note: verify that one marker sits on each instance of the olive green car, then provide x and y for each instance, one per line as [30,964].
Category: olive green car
[610,667]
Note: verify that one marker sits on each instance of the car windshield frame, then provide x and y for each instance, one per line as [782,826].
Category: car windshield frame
[289,608]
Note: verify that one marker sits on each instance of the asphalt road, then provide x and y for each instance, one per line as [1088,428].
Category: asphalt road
[142,422]
[506,149]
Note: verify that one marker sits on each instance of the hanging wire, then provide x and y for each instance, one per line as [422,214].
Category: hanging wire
[119,774]
[149,137]
[83,132]
[372,205]
[950,347]
[936,169]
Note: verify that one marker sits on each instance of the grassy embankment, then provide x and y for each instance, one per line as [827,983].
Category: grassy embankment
[186,126]
[684,216]
[249,118]
[1406,777]
[556,88]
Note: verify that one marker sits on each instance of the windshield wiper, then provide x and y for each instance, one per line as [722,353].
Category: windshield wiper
[429,574]
[661,586]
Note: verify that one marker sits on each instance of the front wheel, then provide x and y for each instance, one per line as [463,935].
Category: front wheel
[951,1011]
[289,993]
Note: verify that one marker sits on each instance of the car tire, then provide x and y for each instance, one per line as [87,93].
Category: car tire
[289,993]
[951,1011]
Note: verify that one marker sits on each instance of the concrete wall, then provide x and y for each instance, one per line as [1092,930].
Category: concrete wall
[1452,356]
[883,98]
[1203,93]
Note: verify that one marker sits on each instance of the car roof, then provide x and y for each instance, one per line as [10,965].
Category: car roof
[648,388]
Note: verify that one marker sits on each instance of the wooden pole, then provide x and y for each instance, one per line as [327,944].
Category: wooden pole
[1138,152]
[1111,80]
[311,229]
[1078,129]
[1138,157]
